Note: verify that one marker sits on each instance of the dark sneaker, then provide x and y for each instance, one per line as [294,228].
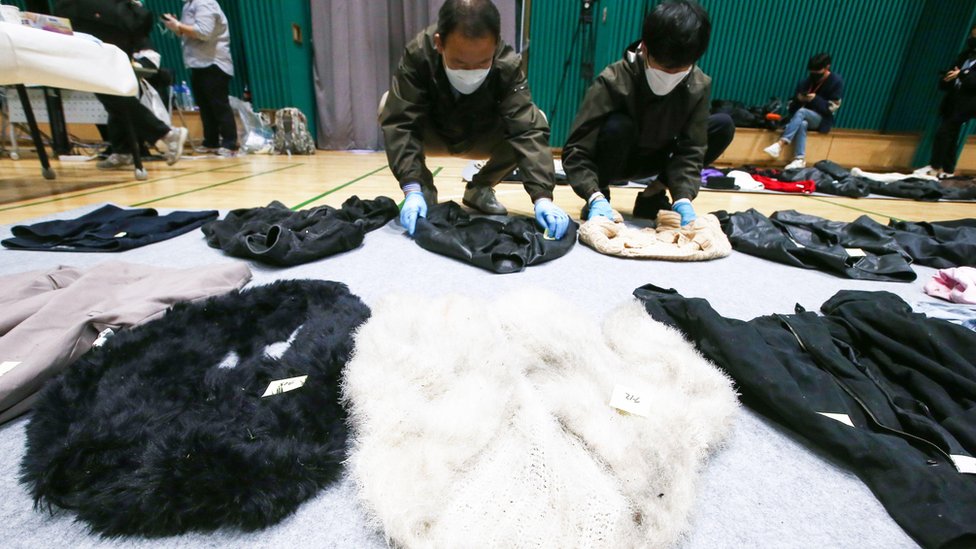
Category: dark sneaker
[646,207]
[483,199]
[114,160]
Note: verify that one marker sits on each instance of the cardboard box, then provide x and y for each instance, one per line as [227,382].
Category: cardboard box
[50,23]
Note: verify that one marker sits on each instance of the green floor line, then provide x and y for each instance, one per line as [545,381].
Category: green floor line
[330,191]
[115,187]
[862,210]
[191,191]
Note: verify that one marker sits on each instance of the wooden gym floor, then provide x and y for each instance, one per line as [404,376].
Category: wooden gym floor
[330,177]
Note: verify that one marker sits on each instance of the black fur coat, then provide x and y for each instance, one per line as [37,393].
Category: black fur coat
[164,429]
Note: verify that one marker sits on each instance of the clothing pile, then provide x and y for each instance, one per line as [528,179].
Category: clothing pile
[107,229]
[50,318]
[828,177]
[505,245]
[489,423]
[279,236]
[863,249]
[223,413]
[700,240]
[885,391]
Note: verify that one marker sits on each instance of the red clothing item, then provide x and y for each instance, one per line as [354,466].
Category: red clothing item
[805,187]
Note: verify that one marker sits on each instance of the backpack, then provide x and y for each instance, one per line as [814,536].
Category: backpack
[291,133]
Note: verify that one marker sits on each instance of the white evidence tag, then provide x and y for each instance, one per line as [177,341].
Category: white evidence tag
[284,385]
[843,418]
[7,366]
[103,337]
[630,400]
[964,464]
[855,252]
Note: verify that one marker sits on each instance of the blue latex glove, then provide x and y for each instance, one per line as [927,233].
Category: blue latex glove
[414,206]
[600,207]
[551,217]
[687,212]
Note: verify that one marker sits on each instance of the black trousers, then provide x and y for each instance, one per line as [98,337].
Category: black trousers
[946,144]
[148,128]
[618,157]
[211,88]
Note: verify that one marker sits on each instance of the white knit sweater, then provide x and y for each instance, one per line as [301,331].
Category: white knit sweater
[483,424]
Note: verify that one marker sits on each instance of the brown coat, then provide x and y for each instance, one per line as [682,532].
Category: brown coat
[50,318]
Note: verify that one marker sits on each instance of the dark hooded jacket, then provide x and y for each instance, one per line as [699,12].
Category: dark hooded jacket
[677,122]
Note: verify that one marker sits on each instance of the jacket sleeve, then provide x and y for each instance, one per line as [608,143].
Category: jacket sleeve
[401,120]
[684,169]
[801,89]
[205,21]
[579,152]
[528,133]
[821,103]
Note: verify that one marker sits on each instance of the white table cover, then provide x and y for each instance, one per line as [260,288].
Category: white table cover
[36,57]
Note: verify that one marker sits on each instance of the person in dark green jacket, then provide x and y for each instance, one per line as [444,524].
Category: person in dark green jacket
[648,114]
[460,90]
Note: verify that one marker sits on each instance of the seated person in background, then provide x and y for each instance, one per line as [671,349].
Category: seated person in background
[648,114]
[817,98]
[957,107]
[460,90]
[125,24]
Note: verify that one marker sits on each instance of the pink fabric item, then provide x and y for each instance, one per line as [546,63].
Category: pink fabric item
[957,285]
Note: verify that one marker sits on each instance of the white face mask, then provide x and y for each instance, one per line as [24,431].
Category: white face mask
[662,83]
[466,82]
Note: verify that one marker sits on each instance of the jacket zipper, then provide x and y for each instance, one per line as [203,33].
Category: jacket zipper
[861,403]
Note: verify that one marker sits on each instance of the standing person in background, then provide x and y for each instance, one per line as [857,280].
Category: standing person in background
[816,100]
[206,52]
[957,107]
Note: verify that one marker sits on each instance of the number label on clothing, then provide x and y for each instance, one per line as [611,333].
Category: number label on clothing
[630,400]
[103,337]
[964,464]
[7,366]
[284,385]
[843,418]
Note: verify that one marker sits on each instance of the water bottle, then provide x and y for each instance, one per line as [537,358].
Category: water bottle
[188,103]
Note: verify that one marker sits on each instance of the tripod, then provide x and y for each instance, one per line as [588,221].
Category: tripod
[583,25]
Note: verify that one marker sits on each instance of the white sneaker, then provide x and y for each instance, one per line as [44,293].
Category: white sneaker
[927,171]
[173,143]
[797,164]
[774,150]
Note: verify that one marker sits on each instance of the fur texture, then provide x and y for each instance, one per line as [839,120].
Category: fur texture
[488,424]
[164,429]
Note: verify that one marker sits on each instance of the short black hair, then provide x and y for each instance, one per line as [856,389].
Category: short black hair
[818,62]
[676,33]
[472,18]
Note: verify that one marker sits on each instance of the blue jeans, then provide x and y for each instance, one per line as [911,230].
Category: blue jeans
[797,127]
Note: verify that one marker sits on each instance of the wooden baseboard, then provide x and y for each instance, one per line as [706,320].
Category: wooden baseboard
[849,148]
